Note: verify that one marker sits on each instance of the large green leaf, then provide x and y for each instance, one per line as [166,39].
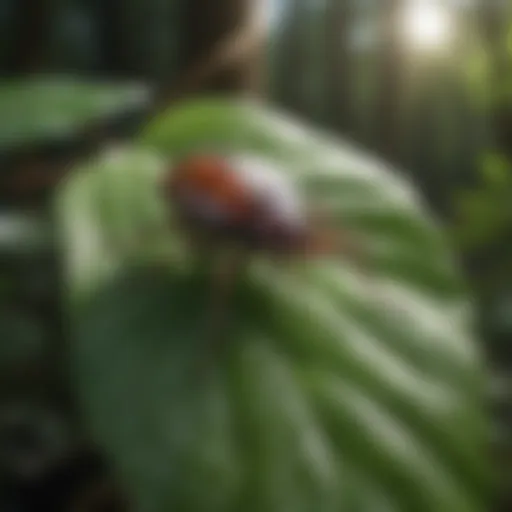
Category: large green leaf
[337,391]
[48,109]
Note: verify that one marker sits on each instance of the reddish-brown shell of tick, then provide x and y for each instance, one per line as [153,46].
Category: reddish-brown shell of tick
[246,200]
[210,177]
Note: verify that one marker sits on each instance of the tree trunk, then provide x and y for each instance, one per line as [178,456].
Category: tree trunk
[114,46]
[206,24]
[391,80]
[30,31]
[290,72]
[338,66]
[494,26]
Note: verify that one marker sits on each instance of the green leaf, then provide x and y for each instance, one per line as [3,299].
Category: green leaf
[496,171]
[336,391]
[51,109]
[23,234]
[484,213]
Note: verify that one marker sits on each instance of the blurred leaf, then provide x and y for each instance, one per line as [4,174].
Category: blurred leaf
[45,109]
[496,170]
[23,233]
[481,219]
[484,214]
[335,392]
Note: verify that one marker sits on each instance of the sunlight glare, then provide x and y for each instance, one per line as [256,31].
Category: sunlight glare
[427,24]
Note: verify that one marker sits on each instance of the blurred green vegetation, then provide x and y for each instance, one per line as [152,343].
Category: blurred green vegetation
[53,109]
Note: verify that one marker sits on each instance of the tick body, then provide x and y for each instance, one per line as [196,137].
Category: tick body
[239,199]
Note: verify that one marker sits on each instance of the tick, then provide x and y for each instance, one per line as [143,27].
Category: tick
[234,206]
